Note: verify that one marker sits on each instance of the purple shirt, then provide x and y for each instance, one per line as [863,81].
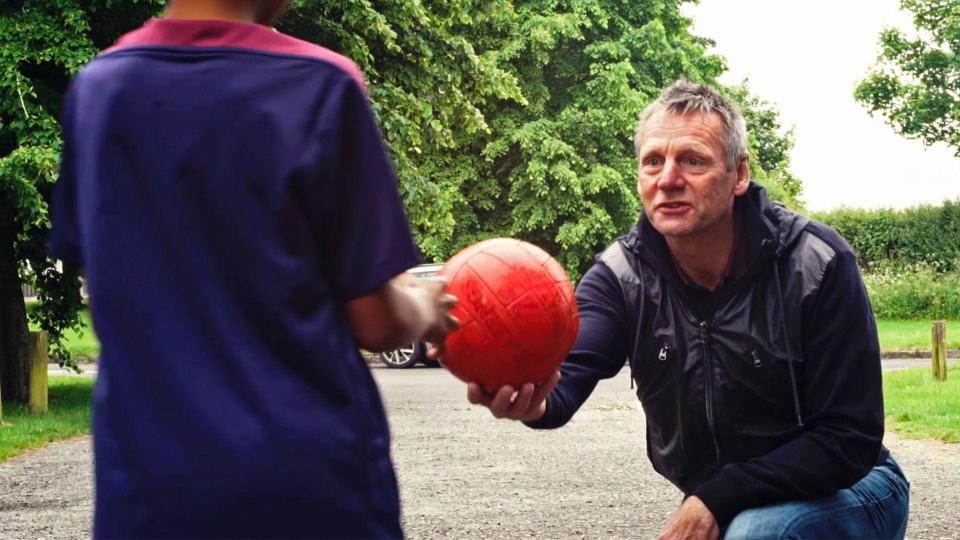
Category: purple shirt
[227,191]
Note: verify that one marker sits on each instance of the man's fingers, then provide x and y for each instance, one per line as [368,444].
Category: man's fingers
[515,404]
[521,402]
[502,401]
[544,389]
[477,396]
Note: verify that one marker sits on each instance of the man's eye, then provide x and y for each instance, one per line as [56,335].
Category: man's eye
[652,161]
[695,161]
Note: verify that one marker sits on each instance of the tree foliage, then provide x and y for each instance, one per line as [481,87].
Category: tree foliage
[515,118]
[915,84]
[42,43]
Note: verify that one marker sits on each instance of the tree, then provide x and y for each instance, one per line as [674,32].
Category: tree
[915,84]
[42,43]
[427,86]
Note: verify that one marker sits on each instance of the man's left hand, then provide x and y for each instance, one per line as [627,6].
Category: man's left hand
[692,520]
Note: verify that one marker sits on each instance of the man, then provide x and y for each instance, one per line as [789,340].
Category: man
[750,337]
[228,194]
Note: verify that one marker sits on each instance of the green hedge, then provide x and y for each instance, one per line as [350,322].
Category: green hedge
[928,235]
[915,292]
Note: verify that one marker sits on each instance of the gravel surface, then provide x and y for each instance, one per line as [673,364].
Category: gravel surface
[464,474]
[48,493]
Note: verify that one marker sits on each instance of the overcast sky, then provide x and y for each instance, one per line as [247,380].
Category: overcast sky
[806,57]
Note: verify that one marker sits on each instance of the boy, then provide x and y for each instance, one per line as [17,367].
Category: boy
[228,195]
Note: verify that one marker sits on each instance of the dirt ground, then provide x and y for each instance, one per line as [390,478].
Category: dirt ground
[464,474]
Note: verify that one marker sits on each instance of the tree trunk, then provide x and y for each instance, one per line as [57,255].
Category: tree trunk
[14,333]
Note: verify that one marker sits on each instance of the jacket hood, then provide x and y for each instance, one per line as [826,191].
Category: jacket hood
[783,225]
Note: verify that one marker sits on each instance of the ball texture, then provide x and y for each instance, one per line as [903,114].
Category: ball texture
[518,315]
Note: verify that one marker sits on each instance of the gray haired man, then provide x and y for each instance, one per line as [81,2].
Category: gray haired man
[748,332]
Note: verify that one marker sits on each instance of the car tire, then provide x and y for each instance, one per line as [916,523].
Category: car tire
[429,363]
[403,357]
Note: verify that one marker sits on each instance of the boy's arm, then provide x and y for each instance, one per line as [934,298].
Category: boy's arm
[367,241]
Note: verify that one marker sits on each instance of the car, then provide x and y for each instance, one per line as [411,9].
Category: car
[415,353]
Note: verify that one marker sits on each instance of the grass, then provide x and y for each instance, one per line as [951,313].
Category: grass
[898,334]
[83,344]
[68,416]
[919,407]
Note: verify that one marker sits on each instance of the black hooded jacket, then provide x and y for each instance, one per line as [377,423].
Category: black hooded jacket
[768,390]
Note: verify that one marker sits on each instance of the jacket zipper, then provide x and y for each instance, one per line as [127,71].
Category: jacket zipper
[708,386]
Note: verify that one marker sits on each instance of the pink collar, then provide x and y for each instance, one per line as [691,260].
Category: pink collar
[232,34]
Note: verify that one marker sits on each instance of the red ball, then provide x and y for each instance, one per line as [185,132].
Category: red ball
[518,316]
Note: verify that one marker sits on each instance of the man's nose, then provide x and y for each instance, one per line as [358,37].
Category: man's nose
[670,176]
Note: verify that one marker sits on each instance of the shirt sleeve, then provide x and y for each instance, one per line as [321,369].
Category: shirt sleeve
[64,239]
[599,352]
[366,230]
[842,404]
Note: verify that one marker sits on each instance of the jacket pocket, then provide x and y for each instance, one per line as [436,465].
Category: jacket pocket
[757,391]
[657,370]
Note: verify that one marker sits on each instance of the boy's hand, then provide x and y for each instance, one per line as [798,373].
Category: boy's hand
[441,322]
[527,404]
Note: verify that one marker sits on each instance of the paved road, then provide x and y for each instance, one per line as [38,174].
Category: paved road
[464,474]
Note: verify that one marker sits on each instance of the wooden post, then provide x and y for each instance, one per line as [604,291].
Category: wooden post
[38,372]
[939,335]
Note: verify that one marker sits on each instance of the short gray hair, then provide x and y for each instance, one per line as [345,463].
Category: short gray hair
[686,96]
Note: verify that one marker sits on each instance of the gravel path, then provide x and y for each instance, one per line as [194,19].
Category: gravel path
[47,493]
[465,475]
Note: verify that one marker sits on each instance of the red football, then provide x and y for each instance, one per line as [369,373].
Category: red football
[518,316]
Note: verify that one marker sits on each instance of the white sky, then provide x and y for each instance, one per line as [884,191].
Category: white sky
[806,58]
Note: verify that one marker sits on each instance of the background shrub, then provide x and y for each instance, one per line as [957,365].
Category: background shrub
[916,291]
[928,235]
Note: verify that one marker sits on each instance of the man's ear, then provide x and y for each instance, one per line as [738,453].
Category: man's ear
[743,176]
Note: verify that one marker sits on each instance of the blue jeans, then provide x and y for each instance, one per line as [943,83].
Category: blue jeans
[875,507]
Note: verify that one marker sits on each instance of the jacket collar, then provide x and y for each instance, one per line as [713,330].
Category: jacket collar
[766,229]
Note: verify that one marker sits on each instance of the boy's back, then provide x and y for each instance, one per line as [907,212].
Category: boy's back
[226,191]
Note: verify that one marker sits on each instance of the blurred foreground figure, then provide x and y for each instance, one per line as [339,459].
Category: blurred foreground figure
[750,338]
[230,199]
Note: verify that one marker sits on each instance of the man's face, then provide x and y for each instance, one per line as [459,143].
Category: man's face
[683,178]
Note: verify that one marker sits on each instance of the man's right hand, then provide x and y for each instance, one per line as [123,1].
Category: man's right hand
[527,404]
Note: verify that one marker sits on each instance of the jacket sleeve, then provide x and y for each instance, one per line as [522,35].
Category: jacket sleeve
[599,352]
[842,404]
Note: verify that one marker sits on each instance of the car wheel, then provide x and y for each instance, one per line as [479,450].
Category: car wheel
[429,363]
[403,357]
